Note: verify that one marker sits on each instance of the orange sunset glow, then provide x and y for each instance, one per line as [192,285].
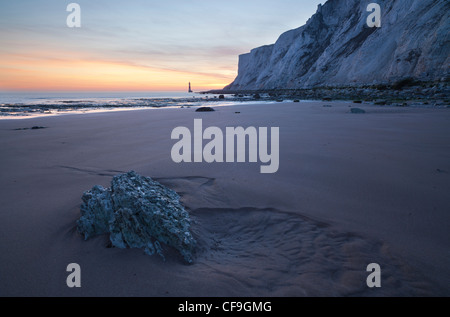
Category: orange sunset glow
[25,73]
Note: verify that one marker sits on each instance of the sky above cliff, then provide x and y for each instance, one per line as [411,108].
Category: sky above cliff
[136,45]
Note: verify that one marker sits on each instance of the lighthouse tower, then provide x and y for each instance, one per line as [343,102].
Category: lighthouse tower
[190,89]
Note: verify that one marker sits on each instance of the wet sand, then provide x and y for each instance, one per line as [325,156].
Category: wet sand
[352,189]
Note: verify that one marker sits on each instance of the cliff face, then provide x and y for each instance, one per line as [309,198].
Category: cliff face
[336,47]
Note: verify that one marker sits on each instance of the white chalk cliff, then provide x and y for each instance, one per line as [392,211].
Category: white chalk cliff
[337,48]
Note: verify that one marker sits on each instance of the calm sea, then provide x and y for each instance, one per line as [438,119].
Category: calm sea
[31,104]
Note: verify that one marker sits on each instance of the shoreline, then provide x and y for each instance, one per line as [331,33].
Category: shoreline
[248,101]
[24,111]
[404,93]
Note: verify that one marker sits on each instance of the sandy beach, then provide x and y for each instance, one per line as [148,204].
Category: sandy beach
[352,189]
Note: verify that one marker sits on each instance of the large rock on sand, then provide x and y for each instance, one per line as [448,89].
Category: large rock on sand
[137,212]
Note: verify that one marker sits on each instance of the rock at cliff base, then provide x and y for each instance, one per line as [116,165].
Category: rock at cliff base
[205,109]
[358,111]
[137,212]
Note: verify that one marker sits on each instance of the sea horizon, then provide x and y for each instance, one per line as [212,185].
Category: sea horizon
[23,105]
[27,96]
